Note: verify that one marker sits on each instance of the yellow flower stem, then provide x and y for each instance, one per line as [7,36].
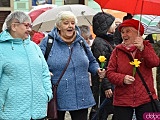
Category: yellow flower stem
[134,71]
[102,65]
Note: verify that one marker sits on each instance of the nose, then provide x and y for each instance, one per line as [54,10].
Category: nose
[29,29]
[70,24]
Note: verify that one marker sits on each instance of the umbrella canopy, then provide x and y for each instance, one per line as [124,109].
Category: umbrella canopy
[148,7]
[35,13]
[150,23]
[42,6]
[46,21]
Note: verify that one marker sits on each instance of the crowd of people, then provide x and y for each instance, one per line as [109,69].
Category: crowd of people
[28,75]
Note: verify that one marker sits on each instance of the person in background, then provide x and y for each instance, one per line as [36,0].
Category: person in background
[86,33]
[154,39]
[73,93]
[25,84]
[118,21]
[103,44]
[37,37]
[130,93]
[156,47]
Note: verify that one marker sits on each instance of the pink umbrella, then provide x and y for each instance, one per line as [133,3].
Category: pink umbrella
[35,13]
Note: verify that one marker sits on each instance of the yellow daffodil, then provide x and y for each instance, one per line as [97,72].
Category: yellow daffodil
[102,60]
[136,64]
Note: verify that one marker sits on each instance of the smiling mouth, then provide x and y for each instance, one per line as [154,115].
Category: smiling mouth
[69,30]
[125,38]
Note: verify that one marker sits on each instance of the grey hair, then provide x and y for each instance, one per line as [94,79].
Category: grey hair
[18,16]
[85,30]
[63,15]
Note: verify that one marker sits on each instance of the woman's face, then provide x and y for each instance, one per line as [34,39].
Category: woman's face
[21,30]
[112,28]
[128,34]
[67,28]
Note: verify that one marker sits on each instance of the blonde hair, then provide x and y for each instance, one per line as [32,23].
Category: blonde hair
[112,28]
[63,15]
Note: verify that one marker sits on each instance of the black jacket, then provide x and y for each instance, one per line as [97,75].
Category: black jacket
[102,46]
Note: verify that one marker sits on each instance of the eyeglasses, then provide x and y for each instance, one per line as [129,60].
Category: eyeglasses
[27,25]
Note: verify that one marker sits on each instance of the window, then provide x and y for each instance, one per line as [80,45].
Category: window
[3,15]
[74,2]
[4,3]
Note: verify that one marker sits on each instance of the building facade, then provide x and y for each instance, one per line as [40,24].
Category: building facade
[8,6]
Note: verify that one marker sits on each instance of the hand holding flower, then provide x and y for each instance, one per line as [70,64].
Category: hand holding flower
[128,79]
[101,72]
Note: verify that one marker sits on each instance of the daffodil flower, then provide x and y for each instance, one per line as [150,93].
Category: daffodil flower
[136,64]
[102,60]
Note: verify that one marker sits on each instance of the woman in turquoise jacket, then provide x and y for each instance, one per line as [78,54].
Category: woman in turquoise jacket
[73,92]
[25,86]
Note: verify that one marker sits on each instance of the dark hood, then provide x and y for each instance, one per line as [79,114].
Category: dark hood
[101,23]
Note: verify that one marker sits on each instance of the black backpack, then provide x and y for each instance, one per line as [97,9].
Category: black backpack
[49,46]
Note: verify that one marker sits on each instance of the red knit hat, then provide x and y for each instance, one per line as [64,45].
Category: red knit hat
[132,23]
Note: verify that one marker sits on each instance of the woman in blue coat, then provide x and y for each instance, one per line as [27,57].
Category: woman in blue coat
[74,93]
[25,86]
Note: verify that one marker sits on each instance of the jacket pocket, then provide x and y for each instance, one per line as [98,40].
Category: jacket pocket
[9,99]
[2,104]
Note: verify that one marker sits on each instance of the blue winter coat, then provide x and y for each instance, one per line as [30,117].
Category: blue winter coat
[74,91]
[25,86]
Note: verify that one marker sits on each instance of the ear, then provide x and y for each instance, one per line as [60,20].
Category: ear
[58,28]
[13,27]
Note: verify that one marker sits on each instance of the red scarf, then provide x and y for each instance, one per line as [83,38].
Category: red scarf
[131,48]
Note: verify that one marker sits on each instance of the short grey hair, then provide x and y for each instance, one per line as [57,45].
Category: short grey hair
[18,16]
[85,30]
[63,15]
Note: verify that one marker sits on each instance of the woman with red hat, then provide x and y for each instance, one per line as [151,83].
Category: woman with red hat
[128,60]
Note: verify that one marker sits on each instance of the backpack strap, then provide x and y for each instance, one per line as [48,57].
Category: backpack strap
[49,46]
[83,45]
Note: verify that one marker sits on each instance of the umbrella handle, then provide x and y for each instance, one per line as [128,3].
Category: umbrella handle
[85,17]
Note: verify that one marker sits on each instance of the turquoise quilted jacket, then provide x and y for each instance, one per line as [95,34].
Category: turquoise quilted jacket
[25,86]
